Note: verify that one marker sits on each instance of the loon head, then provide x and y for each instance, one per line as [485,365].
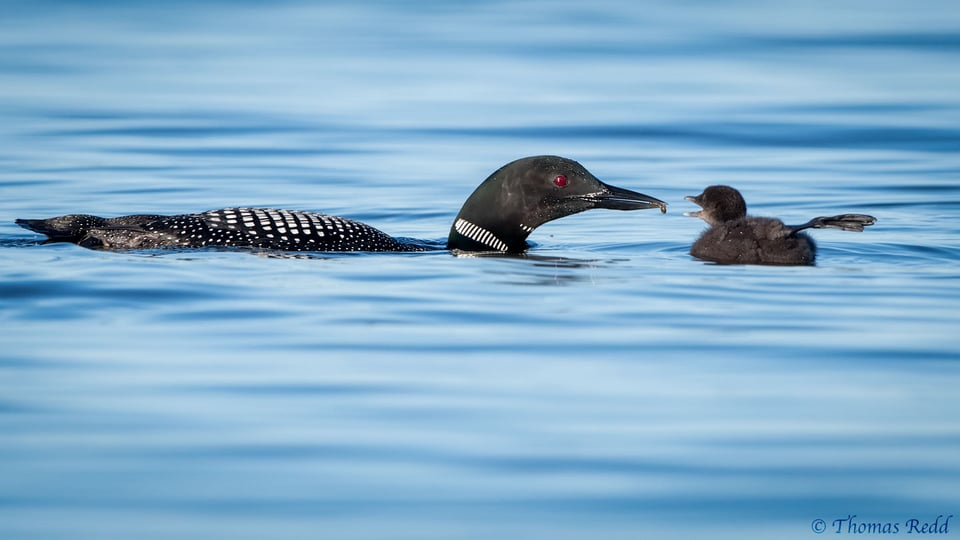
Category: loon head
[719,204]
[528,192]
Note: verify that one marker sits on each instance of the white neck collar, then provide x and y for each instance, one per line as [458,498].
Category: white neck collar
[479,234]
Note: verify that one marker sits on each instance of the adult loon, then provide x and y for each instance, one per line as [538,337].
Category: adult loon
[498,216]
[736,238]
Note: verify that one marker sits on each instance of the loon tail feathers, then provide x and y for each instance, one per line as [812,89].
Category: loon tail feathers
[76,227]
[70,228]
[844,222]
[35,225]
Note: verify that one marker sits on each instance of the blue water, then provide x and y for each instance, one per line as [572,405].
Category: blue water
[605,386]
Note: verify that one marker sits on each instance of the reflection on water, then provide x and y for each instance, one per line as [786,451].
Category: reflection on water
[602,385]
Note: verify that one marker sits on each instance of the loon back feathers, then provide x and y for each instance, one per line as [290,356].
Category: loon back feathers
[263,228]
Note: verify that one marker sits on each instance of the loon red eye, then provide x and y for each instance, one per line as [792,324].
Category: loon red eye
[560,180]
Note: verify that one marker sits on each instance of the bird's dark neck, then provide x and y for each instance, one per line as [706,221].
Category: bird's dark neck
[492,218]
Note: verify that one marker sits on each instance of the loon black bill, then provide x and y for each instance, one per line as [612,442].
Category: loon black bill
[616,198]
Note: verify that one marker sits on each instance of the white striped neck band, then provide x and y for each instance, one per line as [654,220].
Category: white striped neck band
[479,234]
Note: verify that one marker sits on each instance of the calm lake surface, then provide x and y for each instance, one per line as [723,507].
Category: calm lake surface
[607,385]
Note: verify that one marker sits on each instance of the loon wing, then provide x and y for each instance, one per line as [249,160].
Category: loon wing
[292,230]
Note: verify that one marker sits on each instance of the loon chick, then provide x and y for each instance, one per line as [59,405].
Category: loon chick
[736,238]
[498,216]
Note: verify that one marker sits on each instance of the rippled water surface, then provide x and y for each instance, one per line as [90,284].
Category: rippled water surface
[606,385]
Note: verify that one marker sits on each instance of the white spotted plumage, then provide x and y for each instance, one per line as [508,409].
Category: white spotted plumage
[272,229]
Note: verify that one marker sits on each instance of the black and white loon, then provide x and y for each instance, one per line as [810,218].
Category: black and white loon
[498,216]
[736,238]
